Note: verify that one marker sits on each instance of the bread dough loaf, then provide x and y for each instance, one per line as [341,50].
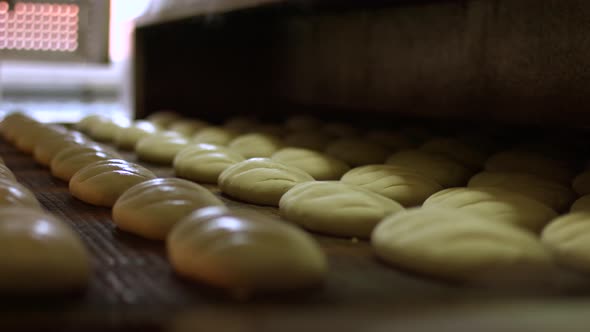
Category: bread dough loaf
[35,133]
[160,149]
[12,125]
[39,254]
[89,121]
[357,152]
[260,180]
[456,150]
[400,184]
[458,245]
[204,162]
[392,140]
[308,140]
[319,165]
[214,135]
[13,193]
[336,208]
[6,173]
[188,127]
[581,183]
[340,130]
[44,151]
[568,237]
[530,163]
[239,124]
[244,252]
[107,131]
[101,183]
[151,208]
[70,160]
[550,193]
[127,138]
[255,145]
[446,172]
[495,204]
[581,204]
[163,119]
[302,123]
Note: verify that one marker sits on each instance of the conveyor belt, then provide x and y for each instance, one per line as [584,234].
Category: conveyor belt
[134,288]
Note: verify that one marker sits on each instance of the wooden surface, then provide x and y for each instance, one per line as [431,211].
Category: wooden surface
[133,287]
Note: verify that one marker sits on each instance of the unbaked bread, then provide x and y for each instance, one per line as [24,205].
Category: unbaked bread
[314,140]
[40,254]
[456,150]
[239,124]
[357,152]
[319,165]
[568,237]
[260,180]
[101,183]
[581,183]
[151,208]
[13,193]
[70,160]
[29,137]
[445,171]
[302,123]
[128,137]
[214,135]
[458,245]
[550,193]
[271,129]
[400,184]
[581,204]
[255,145]
[163,118]
[204,162]
[244,252]
[187,127]
[336,208]
[495,204]
[46,150]
[89,121]
[107,131]
[530,163]
[159,148]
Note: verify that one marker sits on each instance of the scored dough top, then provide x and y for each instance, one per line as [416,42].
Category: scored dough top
[316,164]
[495,204]
[214,135]
[336,208]
[255,145]
[456,150]
[357,151]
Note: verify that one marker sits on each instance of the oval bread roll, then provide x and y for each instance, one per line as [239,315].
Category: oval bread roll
[581,204]
[495,204]
[336,208]
[581,183]
[163,119]
[13,193]
[214,135]
[308,140]
[187,127]
[357,152]
[204,162]
[239,124]
[6,173]
[160,149]
[255,145]
[89,121]
[302,123]
[319,165]
[530,163]
[441,169]
[70,160]
[244,252]
[12,124]
[260,180]
[107,131]
[46,150]
[568,237]
[550,193]
[400,184]
[151,208]
[127,138]
[456,150]
[37,132]
[271,129]
[101,183]
[39,254]
[458,245]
